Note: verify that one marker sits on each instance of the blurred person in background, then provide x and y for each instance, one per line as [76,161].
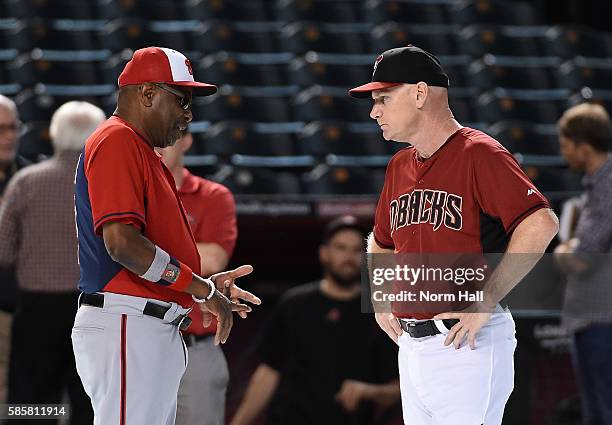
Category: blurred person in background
[38,238]
[322,360]
[10,163]
[585,134]
[211,213]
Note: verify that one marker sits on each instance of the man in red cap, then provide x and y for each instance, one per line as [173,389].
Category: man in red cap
[139,262]
[452,190]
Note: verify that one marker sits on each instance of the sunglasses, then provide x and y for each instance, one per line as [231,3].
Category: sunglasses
[183,100]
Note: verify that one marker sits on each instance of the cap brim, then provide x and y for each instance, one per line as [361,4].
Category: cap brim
[199,89]
[364,91]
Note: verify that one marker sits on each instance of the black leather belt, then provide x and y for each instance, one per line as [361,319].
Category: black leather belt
[191,339]
[425,328]
[151,309]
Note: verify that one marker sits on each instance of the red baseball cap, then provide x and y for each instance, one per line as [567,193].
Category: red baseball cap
[162,65]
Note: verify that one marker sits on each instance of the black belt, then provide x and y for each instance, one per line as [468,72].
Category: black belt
[151,309]
[425,328]
[191,339]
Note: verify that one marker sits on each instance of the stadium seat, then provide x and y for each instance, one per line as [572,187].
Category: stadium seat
[455,67]
[433,38]
[330,70]
[255,180]
[525,137]
[518,73]
[111,68]
[318,10]
[478,40]
[38,104]
[55,67]
[6,57]
[35,142]
[6,27]
[242,105]
[496,12]
[325,179]
[243,137]
[554,179]
[251,37]
[570,42]
[40,33]
[174,35]
[50,9]
[120,34]
[233,10]
[532,106]
[301,37]
[246,70]
[586,94]
[329,103]
[585,72]
[414,11]
[461,102]
[144,9]
[321,138]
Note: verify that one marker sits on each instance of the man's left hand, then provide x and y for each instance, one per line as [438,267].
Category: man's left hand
[470,321]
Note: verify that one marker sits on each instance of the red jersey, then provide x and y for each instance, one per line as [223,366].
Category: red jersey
[211,213]
[121,178]
[467,197]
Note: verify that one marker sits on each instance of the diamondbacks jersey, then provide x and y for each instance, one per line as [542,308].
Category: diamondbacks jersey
[120,178]
[467,197]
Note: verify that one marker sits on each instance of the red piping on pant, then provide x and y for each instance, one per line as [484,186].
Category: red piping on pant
[123,367]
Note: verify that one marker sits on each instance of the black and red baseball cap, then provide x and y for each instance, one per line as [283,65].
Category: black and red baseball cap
[162,65]
[403,65]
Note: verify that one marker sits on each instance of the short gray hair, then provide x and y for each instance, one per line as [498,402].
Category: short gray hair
[73,123]
[9,105]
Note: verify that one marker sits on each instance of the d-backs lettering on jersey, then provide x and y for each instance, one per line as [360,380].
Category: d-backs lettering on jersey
[426,206]
[466,198]
[120,178]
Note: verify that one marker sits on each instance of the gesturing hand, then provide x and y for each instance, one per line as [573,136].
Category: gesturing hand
[225,283]
[222,309]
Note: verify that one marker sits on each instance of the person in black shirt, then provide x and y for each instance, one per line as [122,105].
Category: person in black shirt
[322,360]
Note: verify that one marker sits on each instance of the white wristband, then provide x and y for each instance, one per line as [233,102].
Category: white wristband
[158,266]
[211,287]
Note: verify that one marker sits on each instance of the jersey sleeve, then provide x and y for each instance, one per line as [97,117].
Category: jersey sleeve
[382,218]
[502,189]
[116,182]
[219,222]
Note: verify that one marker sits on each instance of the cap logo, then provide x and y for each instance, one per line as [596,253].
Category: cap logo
[188,65]
[378,60]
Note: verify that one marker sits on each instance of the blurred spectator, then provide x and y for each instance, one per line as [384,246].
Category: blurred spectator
[10,162]
[211,213]
[38,237]
[10,127]
[585,134]
[329,362]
